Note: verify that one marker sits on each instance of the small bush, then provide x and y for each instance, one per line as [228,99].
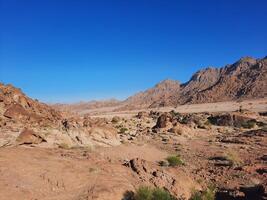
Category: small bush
[249,124]
[174,161]
[163,163]
[115,120]
[233,157]
[147,193]
[161,194]
[64,146]
[175,114]
[208,194]
[143,193]
[123,130]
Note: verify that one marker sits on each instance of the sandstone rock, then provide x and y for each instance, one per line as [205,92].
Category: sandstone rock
[16,111]
[178,129]
[142,115]
[28,136]
[163,120]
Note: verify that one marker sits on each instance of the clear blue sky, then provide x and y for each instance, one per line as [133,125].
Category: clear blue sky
[71,50]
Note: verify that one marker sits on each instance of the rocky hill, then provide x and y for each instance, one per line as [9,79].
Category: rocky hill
[15,105]
[27,121]
[245,79]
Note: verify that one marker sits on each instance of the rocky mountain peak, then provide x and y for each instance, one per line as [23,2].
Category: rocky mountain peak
[167,83]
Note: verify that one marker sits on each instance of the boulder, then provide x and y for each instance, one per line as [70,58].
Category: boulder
[142,115]
[163,120]
[28,136]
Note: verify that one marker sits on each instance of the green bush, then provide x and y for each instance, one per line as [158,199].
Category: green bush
[208,194]
[143,193]
[123,130]
[174,161]
[249,124]
[147,193]
[161,194]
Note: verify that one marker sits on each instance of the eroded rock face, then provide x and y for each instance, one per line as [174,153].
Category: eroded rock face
[28,136]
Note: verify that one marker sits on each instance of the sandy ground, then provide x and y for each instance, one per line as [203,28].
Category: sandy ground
[28,173]
[252,105]
[34,173]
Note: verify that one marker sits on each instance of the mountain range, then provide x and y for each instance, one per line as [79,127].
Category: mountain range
[244,79]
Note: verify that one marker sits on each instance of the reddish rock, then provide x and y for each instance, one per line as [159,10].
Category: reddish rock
[163,120]
[142,115]
[16,111]
[28,136]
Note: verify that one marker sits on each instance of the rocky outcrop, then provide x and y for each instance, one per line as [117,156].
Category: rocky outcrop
[232,119]
[163,120]
[16,105]
[18,111]
[28,136]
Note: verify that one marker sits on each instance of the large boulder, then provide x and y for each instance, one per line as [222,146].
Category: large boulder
[163,120]
[28,136]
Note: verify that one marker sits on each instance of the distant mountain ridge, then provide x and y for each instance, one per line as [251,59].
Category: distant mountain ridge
[246,78]
[80,106]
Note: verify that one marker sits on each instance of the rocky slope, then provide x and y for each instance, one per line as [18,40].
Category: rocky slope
[27,121]
[245,79]
[161,93]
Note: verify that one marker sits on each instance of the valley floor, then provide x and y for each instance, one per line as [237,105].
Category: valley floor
[255,105]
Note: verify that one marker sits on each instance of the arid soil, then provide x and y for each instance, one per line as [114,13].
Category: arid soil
[255,105]
[224,149]
[157,138]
